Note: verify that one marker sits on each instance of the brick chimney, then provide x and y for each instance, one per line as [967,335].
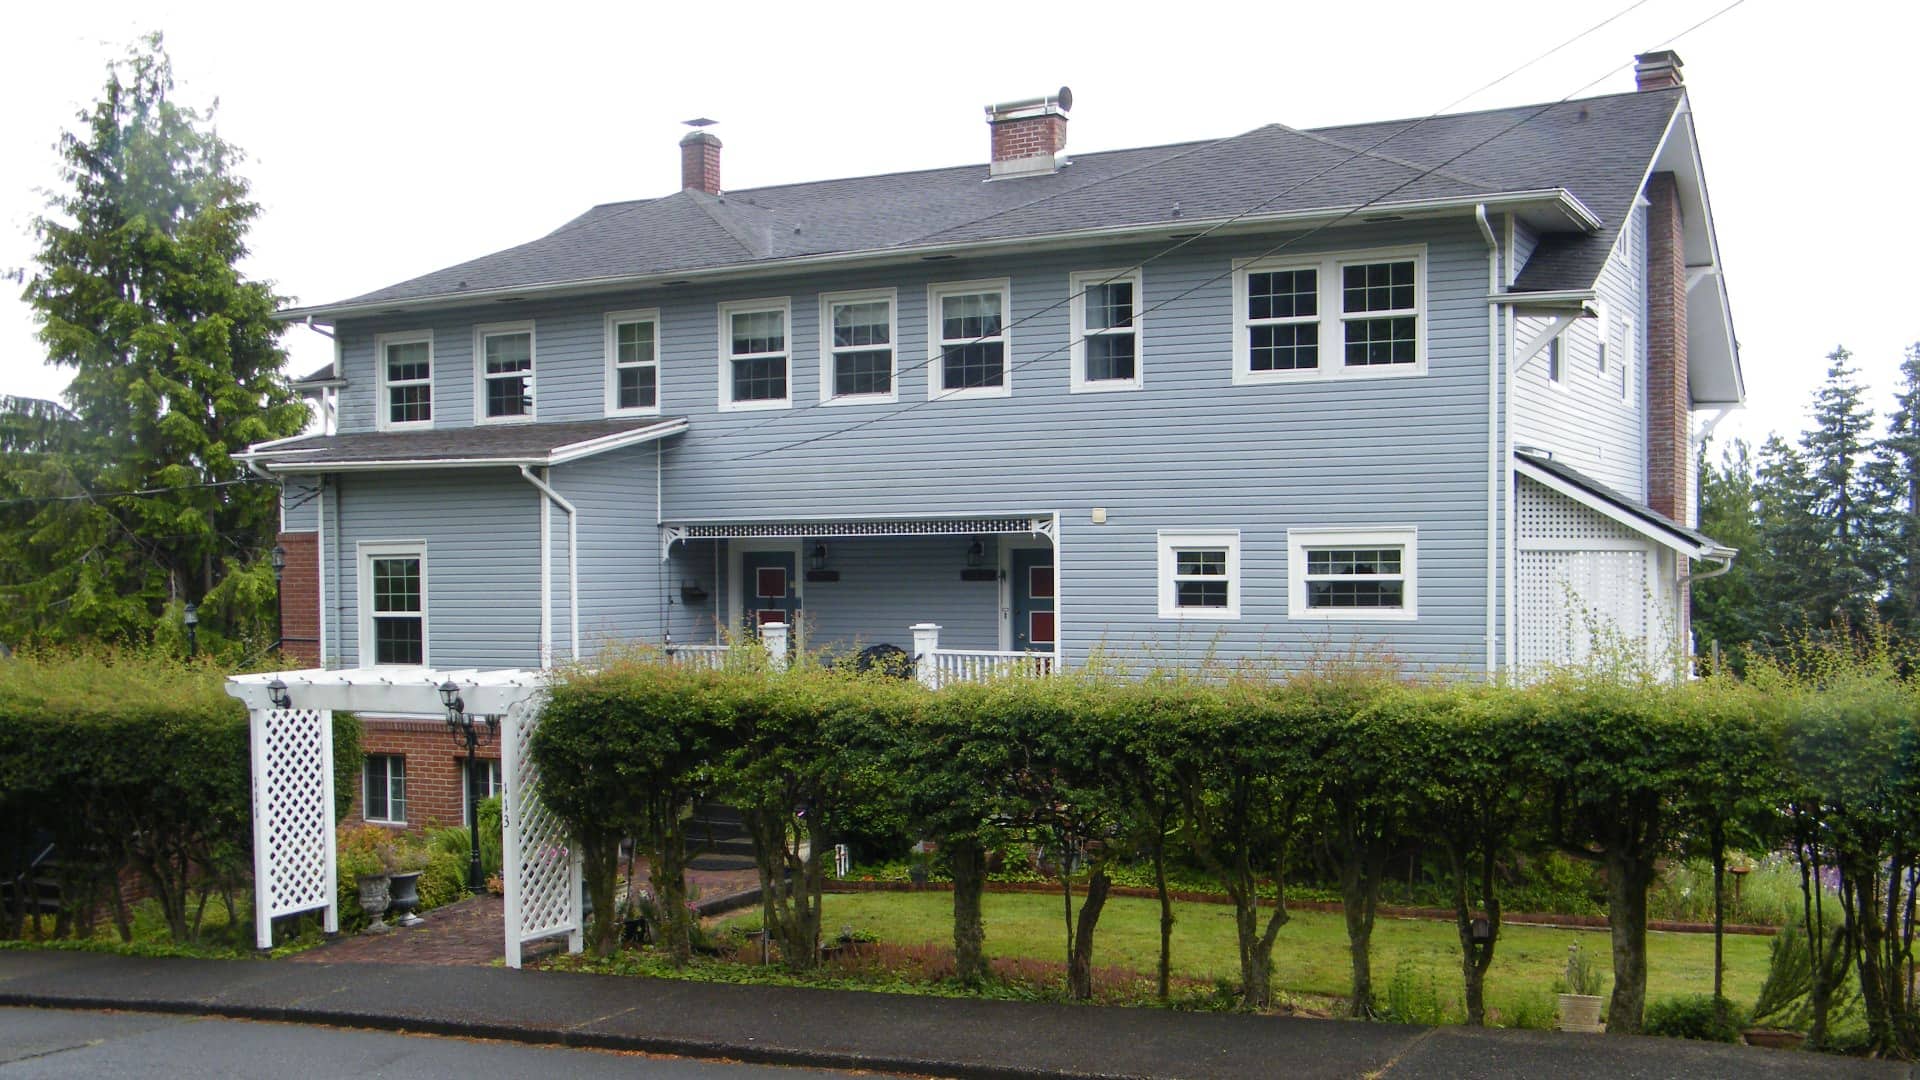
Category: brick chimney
[700,163]
[1657,70]
[1029,135]
[1669,404]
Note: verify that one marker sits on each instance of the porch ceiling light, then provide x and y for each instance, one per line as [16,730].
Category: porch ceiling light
[976,553]
[277,693]
[817,558]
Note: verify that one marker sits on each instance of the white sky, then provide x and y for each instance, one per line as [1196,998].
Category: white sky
[386,140]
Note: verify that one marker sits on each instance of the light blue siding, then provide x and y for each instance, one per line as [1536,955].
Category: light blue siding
[300,505]
[888,585]
[1190,450]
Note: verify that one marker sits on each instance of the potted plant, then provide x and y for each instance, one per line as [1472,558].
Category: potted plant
[637,915]
[1580,993]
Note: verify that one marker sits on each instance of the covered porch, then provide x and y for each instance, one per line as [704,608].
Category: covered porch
[962,596]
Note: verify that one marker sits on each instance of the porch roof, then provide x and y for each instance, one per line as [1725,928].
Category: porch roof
[391,689]
[1637,516]
[537,445]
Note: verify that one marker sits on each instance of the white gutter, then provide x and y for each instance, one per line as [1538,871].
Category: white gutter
[1493,434]
[546,570]
[1576,212]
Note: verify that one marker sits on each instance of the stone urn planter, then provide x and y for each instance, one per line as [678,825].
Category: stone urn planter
[1581,1012]
[374,900]
[1774,1038]
[404,890]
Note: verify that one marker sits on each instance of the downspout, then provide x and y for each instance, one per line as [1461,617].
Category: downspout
[1493,434]
[1509,494]
[573,557]
[1680,588]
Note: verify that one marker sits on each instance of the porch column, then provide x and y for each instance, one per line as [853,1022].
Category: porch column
[774,636]
[926,642]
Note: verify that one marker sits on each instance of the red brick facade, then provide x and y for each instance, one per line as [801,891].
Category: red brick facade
[1668,404]
[434,763]
[300,598]
[1029,136]
[700,163]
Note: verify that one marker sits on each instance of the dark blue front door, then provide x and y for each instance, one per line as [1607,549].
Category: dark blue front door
[771,595]
[1033,629]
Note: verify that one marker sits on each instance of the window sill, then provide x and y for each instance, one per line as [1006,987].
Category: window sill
[415,425]
[652,410]
[1222,615]
[488,421]
[1352,615]
[970,393]
[1343,373]
[861,399]
[1105,386]
[756,406]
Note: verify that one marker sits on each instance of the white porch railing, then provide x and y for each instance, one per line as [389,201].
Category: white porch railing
[937,667]
[700,656]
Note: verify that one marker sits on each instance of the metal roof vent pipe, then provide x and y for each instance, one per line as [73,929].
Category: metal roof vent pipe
[700,159]
[1029,136]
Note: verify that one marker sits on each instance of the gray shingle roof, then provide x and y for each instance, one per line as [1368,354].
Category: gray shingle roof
[1638,509]
[1597,148]
[507,444]
[316,378]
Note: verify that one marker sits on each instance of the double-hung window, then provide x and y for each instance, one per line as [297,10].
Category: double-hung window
[1105,350]
[755,355]
[483,783]
[393,604]
[970,350]
[1200,575]
[1351,574]
[383,789]
[406,380]
[503,372]
[857,347]
[1350,315]
[633,363]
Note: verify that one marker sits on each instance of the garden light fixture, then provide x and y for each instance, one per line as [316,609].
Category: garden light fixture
[817,560]
[976,553]
[464,730]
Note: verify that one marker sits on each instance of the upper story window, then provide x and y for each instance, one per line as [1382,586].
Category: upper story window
[1106,330]
[633,362]
[1200,575]
[503,380]
[856,347]
[405,380]
[969,347]
[755,355]
[1351,574]
[393,603]
[1356,315]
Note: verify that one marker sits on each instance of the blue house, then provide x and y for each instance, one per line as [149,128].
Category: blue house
[1426,388]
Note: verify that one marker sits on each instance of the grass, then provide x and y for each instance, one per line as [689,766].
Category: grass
[219,939]
[1311,955]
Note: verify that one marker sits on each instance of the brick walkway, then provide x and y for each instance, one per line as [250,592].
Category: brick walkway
[472,932]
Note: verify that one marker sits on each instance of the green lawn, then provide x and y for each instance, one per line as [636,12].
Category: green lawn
[1311,955]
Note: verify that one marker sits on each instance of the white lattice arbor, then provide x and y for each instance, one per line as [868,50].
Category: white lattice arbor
[293,793]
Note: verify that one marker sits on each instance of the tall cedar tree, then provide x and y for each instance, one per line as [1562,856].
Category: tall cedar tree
[1727,609]
[176,367]
[1852,511]
[1790,532]
[1896,473]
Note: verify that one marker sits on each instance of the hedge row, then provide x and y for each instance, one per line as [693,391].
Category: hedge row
[129,762]
[1256,778]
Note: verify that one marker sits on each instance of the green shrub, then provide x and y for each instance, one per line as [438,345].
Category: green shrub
[444,880]
[1694,1016]
[1535,1011]
[1413,997]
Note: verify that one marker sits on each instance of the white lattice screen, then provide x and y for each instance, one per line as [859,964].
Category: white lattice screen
[293,852]
[1583,580]
[541,868]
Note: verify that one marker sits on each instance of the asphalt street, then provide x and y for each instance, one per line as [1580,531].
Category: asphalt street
[63,1043]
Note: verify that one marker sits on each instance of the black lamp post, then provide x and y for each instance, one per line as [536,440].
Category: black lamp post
[464,730]
[278,557]
[192,621]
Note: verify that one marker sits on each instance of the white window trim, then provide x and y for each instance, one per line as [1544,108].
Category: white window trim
[1172,541]
[1077,285]
[1299,540]
[616,319]
[827,301]
[366,804]
[480,335]
[365,552]
[727,310]
[1331,318]
[383,408]
[936,366]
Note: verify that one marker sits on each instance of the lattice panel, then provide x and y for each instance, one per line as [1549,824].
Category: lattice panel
[1548,515]
[293,814]
[541,868]
[1573,601]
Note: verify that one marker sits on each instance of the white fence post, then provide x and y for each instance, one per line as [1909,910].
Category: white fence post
[774,636]
[926,641]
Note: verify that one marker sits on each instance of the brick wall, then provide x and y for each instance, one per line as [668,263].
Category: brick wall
[700,163]
[1030,136]
[434,766]
[1668,405]
[300,598]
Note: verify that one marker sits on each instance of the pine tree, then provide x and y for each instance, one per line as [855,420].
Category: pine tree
[176,367]
[1729,609]
[1790,533]
[1845,583]
[1896,474]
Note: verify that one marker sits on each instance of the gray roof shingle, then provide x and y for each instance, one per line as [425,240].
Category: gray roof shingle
[1638,509]
[1597,148]
[506,443]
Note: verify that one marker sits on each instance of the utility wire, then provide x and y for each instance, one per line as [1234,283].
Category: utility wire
[90,496]
[1275,249]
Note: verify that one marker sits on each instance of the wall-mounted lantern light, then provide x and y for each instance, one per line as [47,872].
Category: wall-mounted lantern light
[277,693]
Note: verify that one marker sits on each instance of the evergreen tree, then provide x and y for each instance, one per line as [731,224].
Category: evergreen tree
[1896,474]
[1790,533]
[1729,609]
[1843,586]
[176,367]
